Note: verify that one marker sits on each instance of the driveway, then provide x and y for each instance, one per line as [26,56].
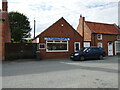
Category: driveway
[61,73]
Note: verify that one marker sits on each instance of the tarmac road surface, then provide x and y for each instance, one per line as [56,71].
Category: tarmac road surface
[61,73]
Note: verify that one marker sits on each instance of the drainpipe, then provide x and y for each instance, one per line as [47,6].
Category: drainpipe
[83,30]
[94,39]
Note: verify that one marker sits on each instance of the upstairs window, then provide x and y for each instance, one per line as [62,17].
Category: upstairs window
[99,36]
[118,37]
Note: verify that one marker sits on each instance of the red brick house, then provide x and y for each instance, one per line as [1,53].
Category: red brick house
[100,34]
[5,34]
[59,40]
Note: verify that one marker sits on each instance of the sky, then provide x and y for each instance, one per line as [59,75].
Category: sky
[47,12]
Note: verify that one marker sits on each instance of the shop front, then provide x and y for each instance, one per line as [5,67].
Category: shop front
[59,40]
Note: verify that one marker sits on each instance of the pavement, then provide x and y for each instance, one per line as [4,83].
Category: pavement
[61,73]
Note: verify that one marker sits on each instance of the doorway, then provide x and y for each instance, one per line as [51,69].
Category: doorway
[110,48]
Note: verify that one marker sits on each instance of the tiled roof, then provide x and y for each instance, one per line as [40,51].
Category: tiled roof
[103,28]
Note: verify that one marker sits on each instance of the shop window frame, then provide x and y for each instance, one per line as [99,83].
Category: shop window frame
[61,41]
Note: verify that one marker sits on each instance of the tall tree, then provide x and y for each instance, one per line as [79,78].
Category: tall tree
[20,26]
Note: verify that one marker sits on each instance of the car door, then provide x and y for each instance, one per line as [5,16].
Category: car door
[89,53]
[96,52]
[93,53]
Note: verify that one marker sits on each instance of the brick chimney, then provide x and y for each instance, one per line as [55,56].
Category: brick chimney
[80,27]
[4,5]
[7,32]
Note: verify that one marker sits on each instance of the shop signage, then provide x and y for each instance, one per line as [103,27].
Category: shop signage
[56,38]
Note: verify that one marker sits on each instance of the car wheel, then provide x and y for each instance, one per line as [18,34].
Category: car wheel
[101,57]
[82,58]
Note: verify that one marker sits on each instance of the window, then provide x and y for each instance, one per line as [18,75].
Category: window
[99,36]
[50,41]
[57,41]
[41,46]
[57,46]
[64,41]
[95,49]
[77,46]
[86,44]
[118,37]
[100,45]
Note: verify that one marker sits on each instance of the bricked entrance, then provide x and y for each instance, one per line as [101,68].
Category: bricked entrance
[20,51]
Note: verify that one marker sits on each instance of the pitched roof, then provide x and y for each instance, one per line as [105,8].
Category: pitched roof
[103,28]
[61,19]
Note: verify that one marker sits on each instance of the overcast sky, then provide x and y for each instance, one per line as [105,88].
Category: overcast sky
[46,12]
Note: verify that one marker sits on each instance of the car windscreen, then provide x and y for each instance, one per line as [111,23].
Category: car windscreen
[85,49]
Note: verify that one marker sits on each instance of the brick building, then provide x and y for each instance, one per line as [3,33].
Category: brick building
[59,40]
[100,34]
[5,34]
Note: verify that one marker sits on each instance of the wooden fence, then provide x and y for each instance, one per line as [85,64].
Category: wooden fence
[20,51]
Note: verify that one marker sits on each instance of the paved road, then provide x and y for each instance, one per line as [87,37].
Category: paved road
[61,73]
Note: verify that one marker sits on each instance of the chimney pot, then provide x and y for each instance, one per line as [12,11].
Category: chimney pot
[4,5]
[80,15]
[4,0]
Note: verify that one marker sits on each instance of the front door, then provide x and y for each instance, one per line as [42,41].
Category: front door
[110,48]
[76,46]
[117,47]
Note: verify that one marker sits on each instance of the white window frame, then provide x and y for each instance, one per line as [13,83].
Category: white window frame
[100,36]
[41,44]
[101,44]
[86,44]
[57,42]
[75,45]
[118,37]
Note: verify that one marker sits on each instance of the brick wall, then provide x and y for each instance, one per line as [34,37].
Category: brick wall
[104,41]
[2,39]
[87,33]
[5,33]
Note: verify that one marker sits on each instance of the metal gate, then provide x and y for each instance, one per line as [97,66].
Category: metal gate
[20,50]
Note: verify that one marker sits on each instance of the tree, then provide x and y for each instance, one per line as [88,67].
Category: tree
[20,26]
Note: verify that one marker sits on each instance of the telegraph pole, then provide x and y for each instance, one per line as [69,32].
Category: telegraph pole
[34,27]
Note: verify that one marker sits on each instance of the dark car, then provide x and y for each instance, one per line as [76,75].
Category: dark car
[89,53]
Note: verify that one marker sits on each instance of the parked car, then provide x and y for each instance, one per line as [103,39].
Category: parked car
[89,53]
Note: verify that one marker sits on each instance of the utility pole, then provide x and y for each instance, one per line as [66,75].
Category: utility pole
[34,27]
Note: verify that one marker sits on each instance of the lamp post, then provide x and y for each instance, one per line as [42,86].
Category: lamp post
[34,27]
